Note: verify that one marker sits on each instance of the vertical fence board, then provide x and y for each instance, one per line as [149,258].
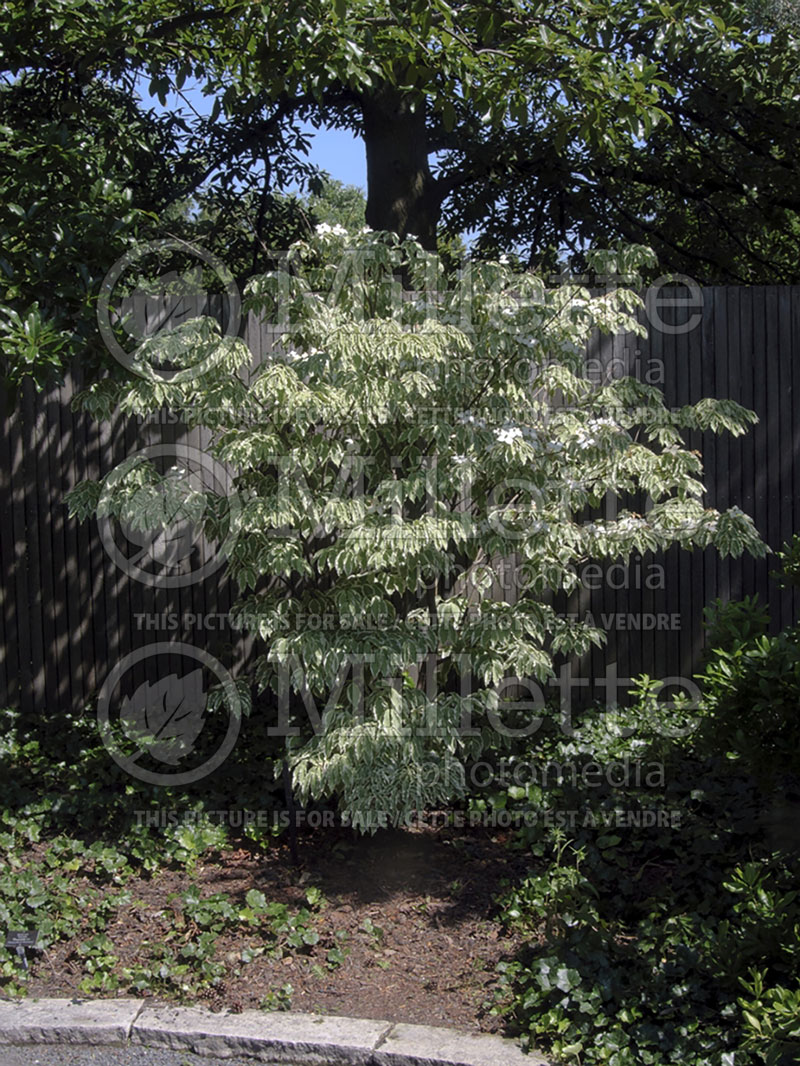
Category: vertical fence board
[746,397]
[785,457]
[708,444]
[761,434]
[772,417]
[735,449]
[9,649]
[722,498]
[34,540]
[795,432]
[21,594]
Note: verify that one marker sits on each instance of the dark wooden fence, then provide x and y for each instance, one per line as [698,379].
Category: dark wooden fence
[69,614]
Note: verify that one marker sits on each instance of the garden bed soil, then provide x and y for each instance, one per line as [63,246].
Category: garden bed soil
[429,891]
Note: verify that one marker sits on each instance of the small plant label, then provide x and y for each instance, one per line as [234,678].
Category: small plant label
[20,939]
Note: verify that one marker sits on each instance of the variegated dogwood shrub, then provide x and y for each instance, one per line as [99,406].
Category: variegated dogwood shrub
[408,434]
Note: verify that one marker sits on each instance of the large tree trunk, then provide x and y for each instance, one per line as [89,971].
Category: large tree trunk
[401,194]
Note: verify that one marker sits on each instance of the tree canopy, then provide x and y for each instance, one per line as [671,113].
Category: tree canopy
[541,127]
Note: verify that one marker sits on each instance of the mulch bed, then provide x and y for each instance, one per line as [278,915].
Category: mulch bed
[430,890]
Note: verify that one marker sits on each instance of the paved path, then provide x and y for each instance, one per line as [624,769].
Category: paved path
[37,1055]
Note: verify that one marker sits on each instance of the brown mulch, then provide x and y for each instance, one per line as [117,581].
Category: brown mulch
[430,891]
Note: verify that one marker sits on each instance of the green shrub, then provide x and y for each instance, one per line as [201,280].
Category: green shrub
[642,946]
[789,572]
[672,945]
[772,1020]
[752,704]
[736,622]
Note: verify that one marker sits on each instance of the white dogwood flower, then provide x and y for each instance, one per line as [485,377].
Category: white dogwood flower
[508,436]
[585,440]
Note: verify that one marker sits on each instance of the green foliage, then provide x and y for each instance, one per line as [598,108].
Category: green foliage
[675,942]
[674,982]
[551,126]
[278,998]
[69,209]
[87,168]
[551,123]
[772,1020]
[375,932]
[386,457]
[789,573]
[337,204]
[752,695]
[727,211]
[57,775]
[338,953]
[736,622]
[776,14]
[99,963]
[47,896]
[68,888]
[182,972]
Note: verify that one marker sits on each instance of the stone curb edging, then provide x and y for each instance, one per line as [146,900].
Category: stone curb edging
[278,1037]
